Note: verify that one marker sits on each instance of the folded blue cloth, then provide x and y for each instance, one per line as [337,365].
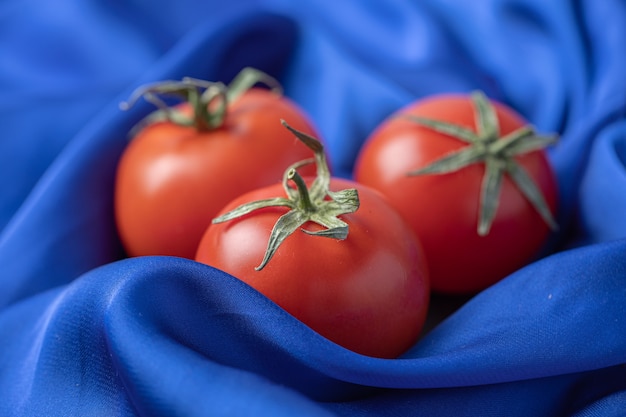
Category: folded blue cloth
[86,332]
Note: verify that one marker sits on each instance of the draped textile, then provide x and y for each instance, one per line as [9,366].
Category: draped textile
[85,331]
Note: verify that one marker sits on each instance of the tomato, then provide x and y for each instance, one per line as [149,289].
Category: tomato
[476,225]
[366,290]
[173,179]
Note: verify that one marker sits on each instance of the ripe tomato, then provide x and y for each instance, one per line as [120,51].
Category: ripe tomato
[476,225]
[366,290]
[173,179]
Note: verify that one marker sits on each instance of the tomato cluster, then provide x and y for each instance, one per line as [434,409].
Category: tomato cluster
[450,194]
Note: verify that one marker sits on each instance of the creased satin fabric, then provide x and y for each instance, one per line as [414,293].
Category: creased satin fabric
[85,331]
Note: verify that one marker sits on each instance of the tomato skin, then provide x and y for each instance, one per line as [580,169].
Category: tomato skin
[172,180]
[368,293]
[443,209]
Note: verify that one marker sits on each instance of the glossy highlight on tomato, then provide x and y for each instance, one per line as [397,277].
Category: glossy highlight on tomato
[469,242]
[367,290]
[173,179]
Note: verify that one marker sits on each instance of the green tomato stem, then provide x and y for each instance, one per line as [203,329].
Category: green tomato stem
[305,202]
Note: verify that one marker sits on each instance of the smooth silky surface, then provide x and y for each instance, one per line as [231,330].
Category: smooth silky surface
[86,332]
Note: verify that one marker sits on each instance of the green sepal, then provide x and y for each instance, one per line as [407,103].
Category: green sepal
[486,118]
[490,193]
[284,227]
[452,162]
[248,208]
[532,193]
[449,129]
[248,78]
[531,143]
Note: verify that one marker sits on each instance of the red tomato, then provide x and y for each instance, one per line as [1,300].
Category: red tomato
[368,292]
[172,179]
[444,208]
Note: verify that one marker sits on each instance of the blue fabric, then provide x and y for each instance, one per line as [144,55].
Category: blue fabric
[86,332]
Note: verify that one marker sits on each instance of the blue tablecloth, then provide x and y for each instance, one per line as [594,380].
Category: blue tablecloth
[85,332]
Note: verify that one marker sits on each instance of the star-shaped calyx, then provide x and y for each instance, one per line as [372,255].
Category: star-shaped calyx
[316,204]
[208,100]
[496,152]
